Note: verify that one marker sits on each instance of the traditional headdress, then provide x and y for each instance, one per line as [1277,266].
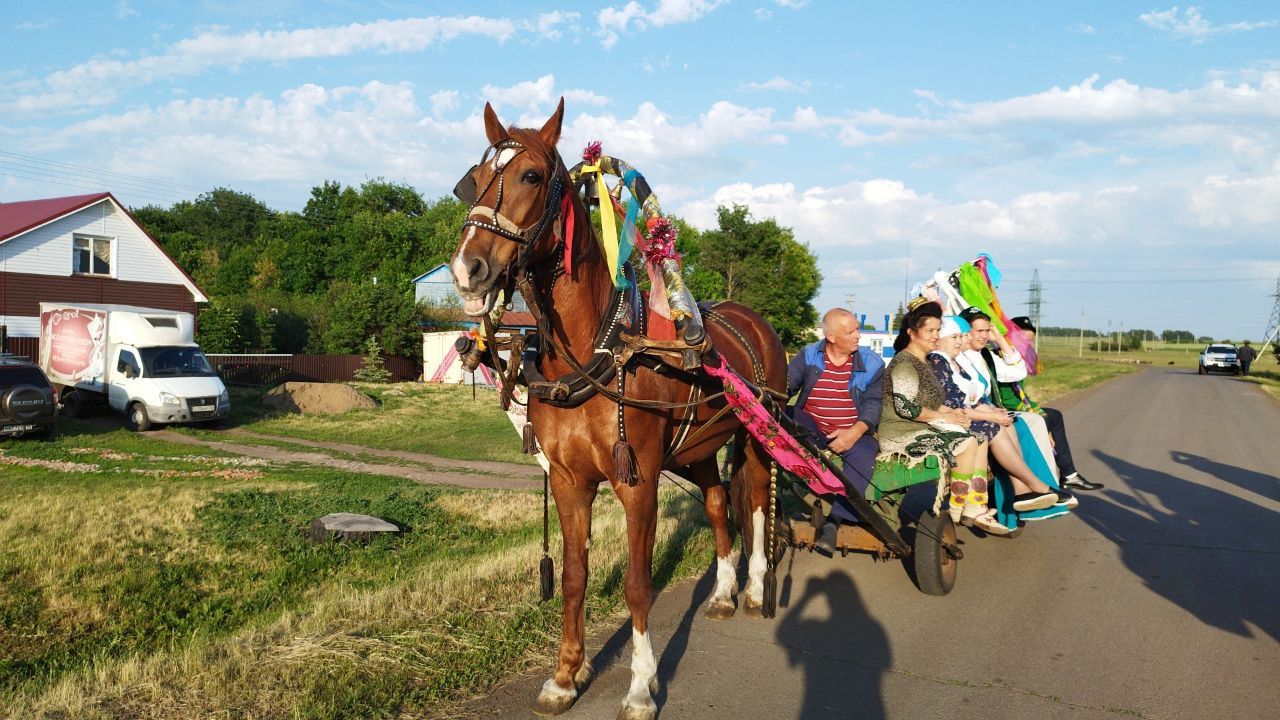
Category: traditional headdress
[953,325]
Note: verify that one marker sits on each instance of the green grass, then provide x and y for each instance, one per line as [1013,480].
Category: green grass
[440,420]
[144,579]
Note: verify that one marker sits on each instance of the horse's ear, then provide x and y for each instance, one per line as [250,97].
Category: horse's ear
[493,126]
[551,131]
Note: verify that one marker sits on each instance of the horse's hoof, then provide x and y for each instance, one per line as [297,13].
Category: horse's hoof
[639,712]
[753,609]
[554,700]
[720,610]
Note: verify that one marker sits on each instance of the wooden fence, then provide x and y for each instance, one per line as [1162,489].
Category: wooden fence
[272,369]
[275,369]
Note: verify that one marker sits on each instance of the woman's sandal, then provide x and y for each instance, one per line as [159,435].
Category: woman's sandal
[987,523]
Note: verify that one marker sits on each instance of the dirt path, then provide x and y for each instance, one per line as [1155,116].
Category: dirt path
[441,471]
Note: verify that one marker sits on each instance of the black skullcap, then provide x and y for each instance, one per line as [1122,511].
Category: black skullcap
[1025,323]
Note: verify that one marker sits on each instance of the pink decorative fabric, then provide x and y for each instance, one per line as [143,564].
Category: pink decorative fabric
[783,448]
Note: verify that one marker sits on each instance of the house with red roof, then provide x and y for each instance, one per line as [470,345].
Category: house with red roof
[82,248]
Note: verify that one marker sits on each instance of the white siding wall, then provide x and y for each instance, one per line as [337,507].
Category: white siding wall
[47,250]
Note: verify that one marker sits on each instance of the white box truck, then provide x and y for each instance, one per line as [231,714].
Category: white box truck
[140,361]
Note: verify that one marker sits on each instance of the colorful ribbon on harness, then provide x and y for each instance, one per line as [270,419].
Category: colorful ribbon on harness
[781,446]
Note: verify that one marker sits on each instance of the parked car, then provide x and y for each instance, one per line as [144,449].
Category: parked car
[1219,356]
[28,404]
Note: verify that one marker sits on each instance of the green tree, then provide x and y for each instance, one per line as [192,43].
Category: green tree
[760,264]
[373,369]
[219,330]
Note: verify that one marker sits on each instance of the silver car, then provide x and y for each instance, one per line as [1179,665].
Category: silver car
[1219,357]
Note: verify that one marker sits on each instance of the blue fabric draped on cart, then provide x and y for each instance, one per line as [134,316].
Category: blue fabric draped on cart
[1004,487]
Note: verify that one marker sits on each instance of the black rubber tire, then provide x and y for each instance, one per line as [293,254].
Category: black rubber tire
[136,418]
[935,570]
[73,404]
[1201,368]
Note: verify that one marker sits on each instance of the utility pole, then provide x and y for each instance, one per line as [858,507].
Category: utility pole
[1033,303]
[849,298]
[1273,325]
[1120,337]
[1108,336]
[1080,349]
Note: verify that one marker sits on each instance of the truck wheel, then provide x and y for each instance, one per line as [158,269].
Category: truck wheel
[137,419]
[73,405]
[935,570]
[1201,369]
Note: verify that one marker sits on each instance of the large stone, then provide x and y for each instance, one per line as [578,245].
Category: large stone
[317,398]
[349,526]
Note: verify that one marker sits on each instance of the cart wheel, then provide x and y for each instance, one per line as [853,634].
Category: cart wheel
[935,570]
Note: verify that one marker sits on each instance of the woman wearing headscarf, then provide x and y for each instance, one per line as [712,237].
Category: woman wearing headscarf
[968,392]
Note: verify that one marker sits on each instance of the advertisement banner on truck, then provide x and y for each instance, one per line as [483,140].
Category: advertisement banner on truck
[74,343]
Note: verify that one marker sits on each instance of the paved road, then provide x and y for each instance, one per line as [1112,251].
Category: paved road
[1158,598]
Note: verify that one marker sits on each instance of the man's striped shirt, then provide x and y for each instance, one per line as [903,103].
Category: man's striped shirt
[829,402]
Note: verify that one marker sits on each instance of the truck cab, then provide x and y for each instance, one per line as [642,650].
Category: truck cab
[165,384]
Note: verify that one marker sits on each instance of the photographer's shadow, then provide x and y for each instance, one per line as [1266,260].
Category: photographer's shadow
[843,655]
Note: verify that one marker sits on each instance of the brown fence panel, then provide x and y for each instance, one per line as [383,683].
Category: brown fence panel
[272,369]
[275,369]
[27,346]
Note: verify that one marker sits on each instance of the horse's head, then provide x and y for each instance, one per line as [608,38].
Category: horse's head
[515,194]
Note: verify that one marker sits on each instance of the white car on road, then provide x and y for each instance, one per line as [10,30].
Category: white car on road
[1220,357]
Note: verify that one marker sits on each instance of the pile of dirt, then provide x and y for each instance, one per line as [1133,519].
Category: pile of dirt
[310,398]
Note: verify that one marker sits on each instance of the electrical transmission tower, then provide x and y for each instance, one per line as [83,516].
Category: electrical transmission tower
[1033,303]
[1273,325]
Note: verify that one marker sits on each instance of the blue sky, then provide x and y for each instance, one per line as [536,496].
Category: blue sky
[1129,152]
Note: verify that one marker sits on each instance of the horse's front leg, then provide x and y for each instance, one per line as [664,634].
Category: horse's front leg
[573,504]
[720,605]
[641,504]
[753,477]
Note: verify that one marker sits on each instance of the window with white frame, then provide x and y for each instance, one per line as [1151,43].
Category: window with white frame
[90,255]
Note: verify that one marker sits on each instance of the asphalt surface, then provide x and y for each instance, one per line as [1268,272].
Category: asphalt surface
[1159,597]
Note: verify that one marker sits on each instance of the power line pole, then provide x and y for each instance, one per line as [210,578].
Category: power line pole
[1120,337]
[1033,303]
[1273,325]
[1080,349]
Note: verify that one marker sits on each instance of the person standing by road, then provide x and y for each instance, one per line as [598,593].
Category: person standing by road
[838,391]
[1246,355]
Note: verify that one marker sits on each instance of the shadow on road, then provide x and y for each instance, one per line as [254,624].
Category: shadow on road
[843,652]
[1212,554]
[1268,486]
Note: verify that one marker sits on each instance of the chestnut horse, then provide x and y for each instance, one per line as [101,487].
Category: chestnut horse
[515,230]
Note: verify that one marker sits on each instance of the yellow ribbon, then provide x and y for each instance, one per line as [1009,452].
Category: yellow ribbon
[608,223]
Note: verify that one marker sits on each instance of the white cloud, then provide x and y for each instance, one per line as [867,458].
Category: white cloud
[34,25]
[533,97]
[1222,201]
[762,14]
[777,84]
[548,25]
[1191,25]
[98,81]
[1082,28]
[125,10]
[613,20]
[444,101]
[793,4]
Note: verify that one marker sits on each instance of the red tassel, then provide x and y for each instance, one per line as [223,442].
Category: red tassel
[624,463]
[566,212]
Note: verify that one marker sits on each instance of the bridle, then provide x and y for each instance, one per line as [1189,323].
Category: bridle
[498,223]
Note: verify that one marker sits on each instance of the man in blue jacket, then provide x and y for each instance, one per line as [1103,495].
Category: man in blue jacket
[838,396]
